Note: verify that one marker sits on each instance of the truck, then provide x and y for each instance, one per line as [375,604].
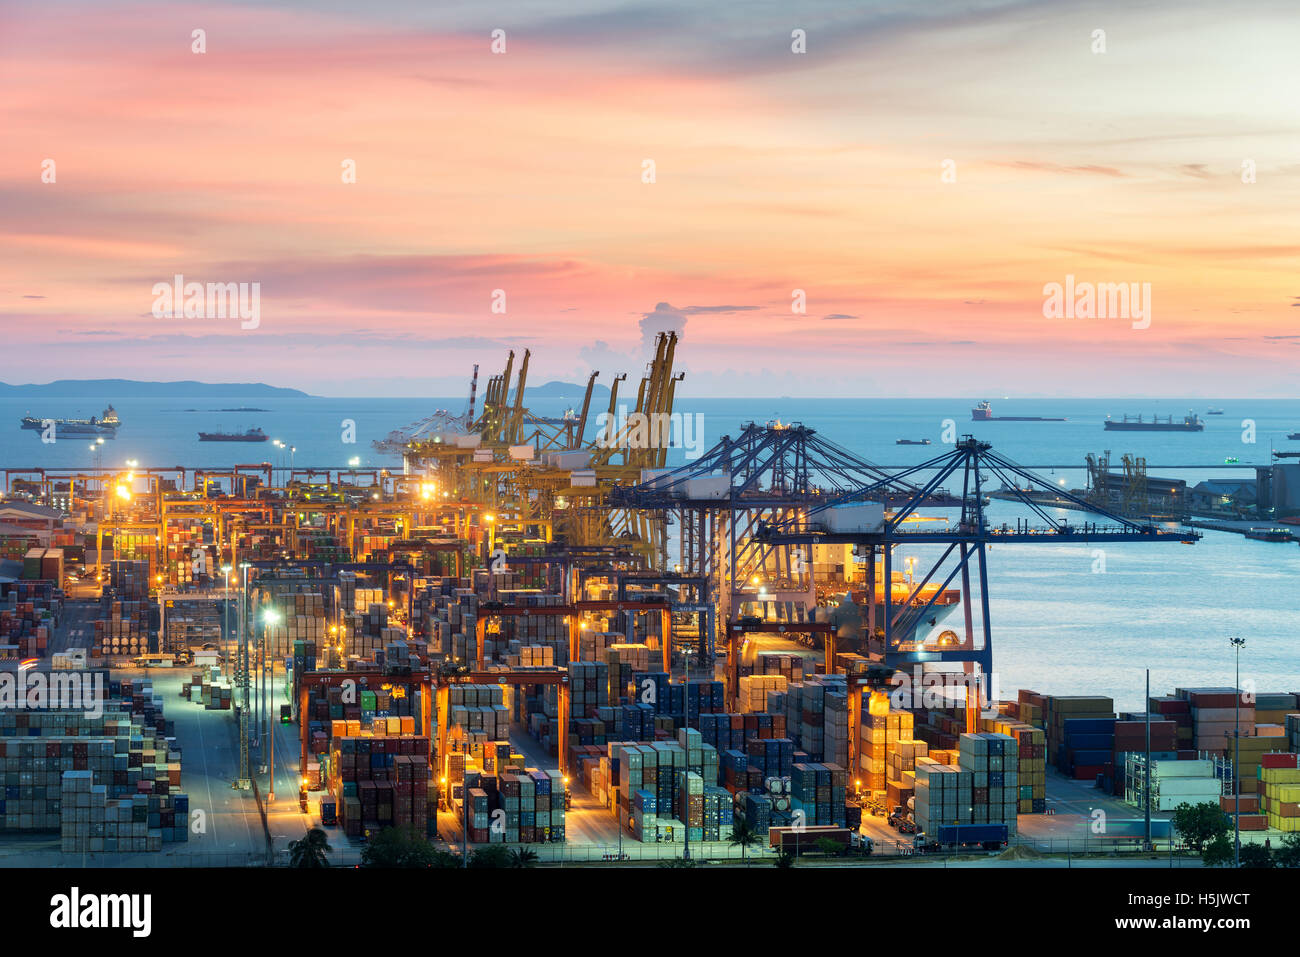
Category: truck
[900,819]
[988,836]
[154,661]
[74,659]
[797,840]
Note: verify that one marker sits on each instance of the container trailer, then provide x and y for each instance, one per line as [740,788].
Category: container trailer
[988,836]
[796,840]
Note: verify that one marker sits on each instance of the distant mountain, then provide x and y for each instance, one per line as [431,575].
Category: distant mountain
[110,390]
[563,390]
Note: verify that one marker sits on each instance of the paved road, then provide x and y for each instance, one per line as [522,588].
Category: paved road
[209,768]
[76,628]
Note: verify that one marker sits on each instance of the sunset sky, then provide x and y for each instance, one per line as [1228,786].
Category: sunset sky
[774,172]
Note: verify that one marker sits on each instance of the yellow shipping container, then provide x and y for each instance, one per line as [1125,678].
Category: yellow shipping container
[1280,775]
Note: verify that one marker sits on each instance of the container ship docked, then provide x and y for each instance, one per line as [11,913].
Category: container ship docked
[105,425]
[984,413]
[1189,423]
[252,435]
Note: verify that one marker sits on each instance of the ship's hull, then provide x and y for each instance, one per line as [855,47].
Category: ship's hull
[65,427]
[1153,427]
[984,415]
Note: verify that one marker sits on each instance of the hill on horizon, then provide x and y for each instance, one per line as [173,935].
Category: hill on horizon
[112,389]
[563,390]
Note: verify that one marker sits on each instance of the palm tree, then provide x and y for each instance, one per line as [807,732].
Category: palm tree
[744,836]
[523,857]
[311,850]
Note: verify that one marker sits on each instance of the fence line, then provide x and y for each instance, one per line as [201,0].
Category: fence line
[632,852]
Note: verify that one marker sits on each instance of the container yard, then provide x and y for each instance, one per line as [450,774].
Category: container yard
[484,647]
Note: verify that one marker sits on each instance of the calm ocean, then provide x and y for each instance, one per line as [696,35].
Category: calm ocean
[1058,626]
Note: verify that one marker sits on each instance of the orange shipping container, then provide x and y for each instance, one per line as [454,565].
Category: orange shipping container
[1249,803]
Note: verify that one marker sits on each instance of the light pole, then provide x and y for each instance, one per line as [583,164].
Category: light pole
[1146,771]
[269,618]
[686,809]
[245,773]
[225,625]
[1236,758]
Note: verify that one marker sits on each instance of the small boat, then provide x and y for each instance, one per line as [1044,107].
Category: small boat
[1214,412]
[1294,436]
[912,442]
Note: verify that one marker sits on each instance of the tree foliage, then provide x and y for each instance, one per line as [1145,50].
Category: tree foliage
[1256,856]
[523,857]
[1199,824]
[1288,853]
[398,847]
[744,837]
[1217,852]
[829,847]
[491,855]
[310,850]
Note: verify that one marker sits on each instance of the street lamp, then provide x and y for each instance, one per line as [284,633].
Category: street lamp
[1237,644]
[269,617]
[225,624]
[686,810]
[244,676]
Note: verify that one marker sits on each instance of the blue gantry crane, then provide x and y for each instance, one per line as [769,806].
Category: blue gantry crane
[967,540]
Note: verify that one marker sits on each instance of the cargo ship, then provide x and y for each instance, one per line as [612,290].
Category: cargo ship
[1214,412]
[1294,436]
[984,413]
[252,435]
[105,425]
[1189,423]
[1268,534]
[912,442]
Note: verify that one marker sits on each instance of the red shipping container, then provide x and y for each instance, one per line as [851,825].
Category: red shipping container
[1277,759]
[1249,803]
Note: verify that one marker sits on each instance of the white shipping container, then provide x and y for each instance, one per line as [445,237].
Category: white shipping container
[1182,769]
[1191,787]
[867,517]
[710,488]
